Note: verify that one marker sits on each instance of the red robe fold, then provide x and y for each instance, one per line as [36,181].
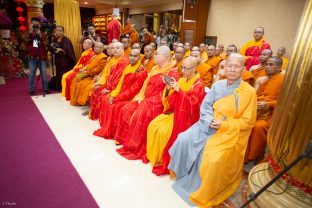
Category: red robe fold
[131,86]
[83,61]
[112,81]
[135,117]
[186,106]
[113,30]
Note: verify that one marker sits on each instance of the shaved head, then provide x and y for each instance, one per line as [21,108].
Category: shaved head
[195,48]
[87,44]
[265,55]
[237,56]
[211,50]
[136,46]
[164,50]
[234,67]
[196,55]
[189,65]
[281,51]
[98,47]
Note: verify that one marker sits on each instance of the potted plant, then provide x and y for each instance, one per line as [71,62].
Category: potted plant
[5,25]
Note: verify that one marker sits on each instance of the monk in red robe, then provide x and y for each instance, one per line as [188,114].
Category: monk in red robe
[129,85]
[115,72]
[267,95]
[113,29]
[184,99]
[259,69]
[135,116]
[83,61]
[252,49]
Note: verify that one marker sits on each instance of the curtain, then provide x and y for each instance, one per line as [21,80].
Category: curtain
[67,14]
[291,129]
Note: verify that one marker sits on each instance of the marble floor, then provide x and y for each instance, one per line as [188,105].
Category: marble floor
[113,181]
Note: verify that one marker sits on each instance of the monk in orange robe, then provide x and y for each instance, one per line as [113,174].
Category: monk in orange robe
[147,38]
[129,85]
[148,60]
[135,116]
[246,75]
[134,36]
[205,71]
[95,66]
[179,57]
[281,53]
[127,29]
[213,60]
[182,111]
[222,53]
[259,69]
[83,61]
[106,85]
[126,45]
[267,96]
[252,49]
[113,29]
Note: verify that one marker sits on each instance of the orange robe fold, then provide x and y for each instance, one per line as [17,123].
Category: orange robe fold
[206,73]
[214,63]
[148,64]
[134,37]
[259,72]
[268,92]
[129,85]
[111,83]
[135,116]
[95,66]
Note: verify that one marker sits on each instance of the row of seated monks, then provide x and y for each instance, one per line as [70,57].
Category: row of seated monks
[189,113]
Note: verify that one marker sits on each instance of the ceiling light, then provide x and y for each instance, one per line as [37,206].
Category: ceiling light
[85,2]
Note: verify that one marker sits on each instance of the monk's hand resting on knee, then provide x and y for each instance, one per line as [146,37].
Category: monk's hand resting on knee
[261,105]
[215,124]
[110,100]
[104,91]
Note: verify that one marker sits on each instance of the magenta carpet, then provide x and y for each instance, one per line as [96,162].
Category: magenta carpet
[34,170]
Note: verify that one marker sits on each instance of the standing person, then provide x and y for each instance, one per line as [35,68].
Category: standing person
[37,55]
[90,34]
[147,38]
[113,29]
[252,49]
[64,57]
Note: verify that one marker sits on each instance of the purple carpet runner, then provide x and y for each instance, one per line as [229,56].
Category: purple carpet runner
[34,170]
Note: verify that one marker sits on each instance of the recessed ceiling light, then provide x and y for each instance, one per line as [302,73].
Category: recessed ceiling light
[85,2]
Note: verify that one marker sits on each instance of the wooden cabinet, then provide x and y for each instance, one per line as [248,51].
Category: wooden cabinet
[100,22]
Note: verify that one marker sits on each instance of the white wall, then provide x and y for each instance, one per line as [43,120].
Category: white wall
[234,21]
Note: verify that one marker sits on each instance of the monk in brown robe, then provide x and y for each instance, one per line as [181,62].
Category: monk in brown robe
[147,38]
[127,29]
[267,96]
[205,71]
[148,60]
[213,60]
[94,67]
[259,69]
[134,36]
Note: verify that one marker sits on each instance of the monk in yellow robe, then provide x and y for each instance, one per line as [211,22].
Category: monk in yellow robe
[267,96]
[207,159]
[222,53]
[213,60]
[187,48]
[246,75]
[181,102]
[126,45]
[259,69]
[148,60]
[179,57]
[252,49]
[203,53]
[205,71]
[281,53]
[95,66]
[83,61]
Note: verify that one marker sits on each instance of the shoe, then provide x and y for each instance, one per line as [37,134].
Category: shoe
[47,91]
[31,93]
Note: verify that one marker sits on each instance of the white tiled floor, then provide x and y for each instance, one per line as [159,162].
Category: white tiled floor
[113,181]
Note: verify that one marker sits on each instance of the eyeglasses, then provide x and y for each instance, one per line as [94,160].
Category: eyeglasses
[183,68]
